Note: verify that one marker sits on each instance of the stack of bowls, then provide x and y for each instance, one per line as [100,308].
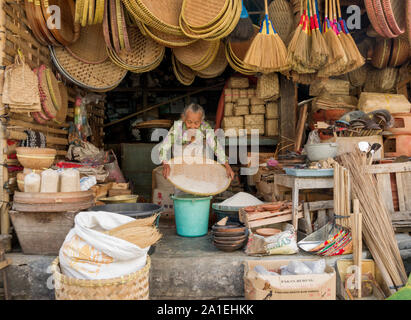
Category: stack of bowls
[229,237]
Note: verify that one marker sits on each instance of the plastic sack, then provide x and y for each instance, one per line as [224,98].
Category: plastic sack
[284,242]
[298,267]
[49,181]
[87,182]
[70,181]
[316,266]
[88,253]
[313,137]
[264,272]
[32,182]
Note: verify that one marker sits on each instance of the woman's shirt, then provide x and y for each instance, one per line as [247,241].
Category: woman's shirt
[180,134]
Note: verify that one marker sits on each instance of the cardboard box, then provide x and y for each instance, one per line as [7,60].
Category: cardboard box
[348,144]
[290,287]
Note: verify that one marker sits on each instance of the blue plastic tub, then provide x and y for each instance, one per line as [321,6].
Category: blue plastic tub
[191,215]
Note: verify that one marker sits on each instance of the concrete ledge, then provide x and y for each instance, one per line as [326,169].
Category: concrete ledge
[182,268]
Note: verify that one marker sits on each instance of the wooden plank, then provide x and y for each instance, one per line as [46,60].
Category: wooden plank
[399,216]
[287,112]
[16,135]
[5,263]
[389,168]
[384,187]
[400,191]
[406,185]
[319,205]
[321,218]
[300,127]
[36,127]
[282,218]
[307,218]
[265,214]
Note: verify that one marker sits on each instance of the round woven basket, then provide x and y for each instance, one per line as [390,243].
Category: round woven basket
[217,67]
[282,17]
[53,87]
[145,53]
[47,102]
[381,53]
[400,52]
[200,13]
[369,5]
[194,54]
[90,47]
[382,20]
[165,39]
[36,158]
[134,286]
[185,75]
[359,76]
[95,77]
[62,113]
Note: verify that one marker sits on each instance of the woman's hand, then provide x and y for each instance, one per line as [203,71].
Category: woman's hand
[166,170]
[230,172]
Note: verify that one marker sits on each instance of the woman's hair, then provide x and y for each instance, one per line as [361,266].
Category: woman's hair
[195,108]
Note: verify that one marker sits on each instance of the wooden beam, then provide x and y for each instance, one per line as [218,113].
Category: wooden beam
[287,112]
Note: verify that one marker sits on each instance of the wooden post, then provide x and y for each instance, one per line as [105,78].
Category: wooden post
[4,176]
[287,112]
[357,229]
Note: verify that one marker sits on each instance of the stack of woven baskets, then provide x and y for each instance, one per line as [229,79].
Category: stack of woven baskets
[246,109]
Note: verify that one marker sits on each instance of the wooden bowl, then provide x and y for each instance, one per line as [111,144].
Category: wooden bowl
[228,248]
[228,234]
[229,242]
[36,158]
[234,238]
[267,232]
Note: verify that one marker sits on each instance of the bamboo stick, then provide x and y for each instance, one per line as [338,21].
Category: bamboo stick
[357,245]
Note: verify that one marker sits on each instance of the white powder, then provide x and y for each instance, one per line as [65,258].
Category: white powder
[241,199]
[196,186]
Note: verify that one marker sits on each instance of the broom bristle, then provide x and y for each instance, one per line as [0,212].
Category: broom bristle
[244,31]
[337,59]
[320,52]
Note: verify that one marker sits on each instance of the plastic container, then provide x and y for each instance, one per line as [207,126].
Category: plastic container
[191,215]
[32,182]
[70,181]
[49,181]
[321,151]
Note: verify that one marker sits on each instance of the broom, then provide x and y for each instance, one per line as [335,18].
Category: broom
[296,39]
[267,51]
[344,41]
[351,46]
[244,30]
[303,47]
[336,59]
[319,51]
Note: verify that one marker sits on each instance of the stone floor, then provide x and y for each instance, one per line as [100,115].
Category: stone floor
[182,268]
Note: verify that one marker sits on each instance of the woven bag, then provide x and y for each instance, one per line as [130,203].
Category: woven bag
[20,90]
[268,87]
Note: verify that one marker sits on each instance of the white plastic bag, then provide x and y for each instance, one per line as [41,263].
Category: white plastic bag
[49,181]
[88,253]
[32,182]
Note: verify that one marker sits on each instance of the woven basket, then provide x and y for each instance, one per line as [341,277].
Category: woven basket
[238,83]
[282,17]
[98,77]
[184,74]
[381,53]
[258,109]
[359,76]
[47,101]
[90,47]
[395,14]
[256,101]
[217,67]
[251,93]
[228,95]
[243,101]
[134,286]
[235,94]
[400,52]
[167,40]
[194,54]
[237,122]
[272,110]
[271,127]
[36,158]
[53,87]
[244,93]
[62,112]
[229,109]
[383,80]
[268,87]
[259,127]
[241,110]
[145,54]
[330,86]
[200,13]
[253,119]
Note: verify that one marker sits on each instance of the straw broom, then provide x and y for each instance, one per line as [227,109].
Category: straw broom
[244,30]
[344,41]
[351,46]
[319,51]
[337,59]
[303,47]
[267,52]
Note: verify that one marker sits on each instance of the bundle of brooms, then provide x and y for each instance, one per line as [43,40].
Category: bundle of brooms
[267,53]
[378,232]
[141,232]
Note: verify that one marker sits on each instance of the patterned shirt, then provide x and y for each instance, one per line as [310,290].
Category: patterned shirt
[179,134]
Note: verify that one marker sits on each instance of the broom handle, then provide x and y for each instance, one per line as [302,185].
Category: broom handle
[334,10]
[266,6]
[339,9]
[326,8]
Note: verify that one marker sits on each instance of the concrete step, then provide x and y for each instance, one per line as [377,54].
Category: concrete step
[182,268]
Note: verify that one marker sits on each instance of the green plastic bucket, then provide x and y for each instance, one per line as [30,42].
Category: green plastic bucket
[191,214]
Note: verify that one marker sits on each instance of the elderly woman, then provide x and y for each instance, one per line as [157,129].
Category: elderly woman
[191,131]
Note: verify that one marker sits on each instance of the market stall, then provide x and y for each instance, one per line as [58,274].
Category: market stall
[308,124]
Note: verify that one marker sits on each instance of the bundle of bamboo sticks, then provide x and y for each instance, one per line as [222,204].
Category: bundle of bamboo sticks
[141,232]
[378,232]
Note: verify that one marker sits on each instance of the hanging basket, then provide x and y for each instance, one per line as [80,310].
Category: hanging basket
[134,286]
